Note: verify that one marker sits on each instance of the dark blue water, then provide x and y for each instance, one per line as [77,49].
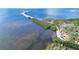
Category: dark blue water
[17,32]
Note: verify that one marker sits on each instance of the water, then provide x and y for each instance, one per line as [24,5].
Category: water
[17,32]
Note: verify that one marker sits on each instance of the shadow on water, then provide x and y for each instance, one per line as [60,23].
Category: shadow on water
[24,37]
[44,38]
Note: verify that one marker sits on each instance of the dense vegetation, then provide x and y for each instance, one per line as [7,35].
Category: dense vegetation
[57,44]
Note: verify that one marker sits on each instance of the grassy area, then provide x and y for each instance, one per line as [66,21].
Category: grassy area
[71,20]
[44,24]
